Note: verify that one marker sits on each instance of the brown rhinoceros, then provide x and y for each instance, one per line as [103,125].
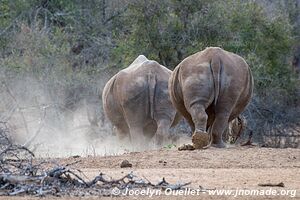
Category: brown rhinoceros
[211,88]
[137,103]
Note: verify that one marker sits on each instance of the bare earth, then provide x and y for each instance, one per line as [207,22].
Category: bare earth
[232,168]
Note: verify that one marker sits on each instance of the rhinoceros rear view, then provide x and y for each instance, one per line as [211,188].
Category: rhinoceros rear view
[210,89]
[137,103]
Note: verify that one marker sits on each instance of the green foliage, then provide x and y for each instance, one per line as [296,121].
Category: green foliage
[160,30]
[264,42]
[75,37]
[171,30]
[169,146]
[37,53]
[72,47]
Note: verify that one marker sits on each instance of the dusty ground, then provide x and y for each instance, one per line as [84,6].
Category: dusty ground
[233,168]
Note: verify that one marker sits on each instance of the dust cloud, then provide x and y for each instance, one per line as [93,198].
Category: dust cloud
[55,121]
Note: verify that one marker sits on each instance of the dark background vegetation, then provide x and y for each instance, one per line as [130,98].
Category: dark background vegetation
[69,48]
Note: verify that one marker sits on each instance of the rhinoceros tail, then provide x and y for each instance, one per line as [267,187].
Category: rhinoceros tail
[152,88]
[216,68]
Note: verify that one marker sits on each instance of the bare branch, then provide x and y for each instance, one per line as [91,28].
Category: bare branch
[18,106]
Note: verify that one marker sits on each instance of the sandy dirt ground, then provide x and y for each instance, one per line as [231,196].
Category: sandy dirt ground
[233,169]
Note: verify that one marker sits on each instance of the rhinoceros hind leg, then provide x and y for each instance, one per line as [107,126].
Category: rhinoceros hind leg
[219,126]
[162,132]
[137,138]
[122,131]
[199,116]
[200,137]
[219,145]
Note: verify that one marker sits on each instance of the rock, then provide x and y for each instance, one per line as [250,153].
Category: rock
[163,162]
[184,147]
[125,163]
[75,156]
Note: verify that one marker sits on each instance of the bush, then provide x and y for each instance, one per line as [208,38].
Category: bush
[74,46]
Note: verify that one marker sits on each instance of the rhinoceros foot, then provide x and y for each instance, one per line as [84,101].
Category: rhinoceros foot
[200,139]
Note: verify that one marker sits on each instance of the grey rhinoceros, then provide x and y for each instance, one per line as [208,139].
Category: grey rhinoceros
[211,88]
[137,103]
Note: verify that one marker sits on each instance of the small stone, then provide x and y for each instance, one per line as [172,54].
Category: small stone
[185,147]
[75,156]
[125,163]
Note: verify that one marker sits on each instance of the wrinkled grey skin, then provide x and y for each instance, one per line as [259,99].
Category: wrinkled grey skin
[211,88]
[137,103]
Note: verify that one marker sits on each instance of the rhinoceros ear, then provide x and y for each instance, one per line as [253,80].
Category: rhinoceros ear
[176,119]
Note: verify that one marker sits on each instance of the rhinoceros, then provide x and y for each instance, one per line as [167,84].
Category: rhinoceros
[211,88]
[137,103]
